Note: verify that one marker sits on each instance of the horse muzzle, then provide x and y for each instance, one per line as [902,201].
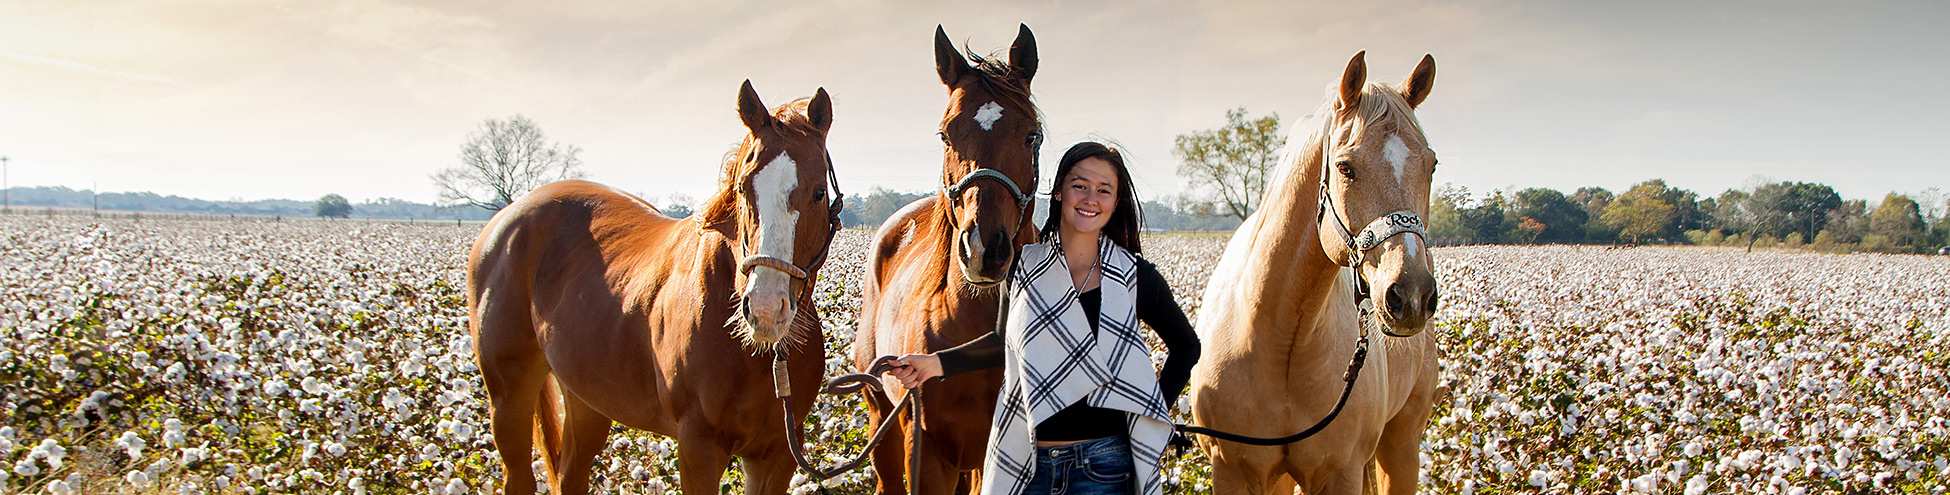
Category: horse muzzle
[984,257]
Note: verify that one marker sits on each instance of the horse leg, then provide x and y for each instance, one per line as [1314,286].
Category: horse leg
[585,433]
[1236,476]
[890,457]
[769,473]
[1399,454]
[937,475]
[701,460]
[515,374]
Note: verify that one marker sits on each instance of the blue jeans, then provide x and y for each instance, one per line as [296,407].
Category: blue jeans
[1093,467]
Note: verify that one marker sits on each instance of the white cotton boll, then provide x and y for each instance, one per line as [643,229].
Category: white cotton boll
[1694,449]
[335,449]
[456,487]
[26,467]
[1697,485]
[1539,478]
[1506,468]
[132,444]
[50,450]
[1646,484]
[59,487]
[137,478]
[315,386]
[172,433]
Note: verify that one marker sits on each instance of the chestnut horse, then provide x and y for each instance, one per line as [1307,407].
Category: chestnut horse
[932,281]
[588,306]
[1279,321]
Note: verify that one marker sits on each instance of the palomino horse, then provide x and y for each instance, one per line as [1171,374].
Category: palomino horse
[588,306]
[932,280]
[1279,320]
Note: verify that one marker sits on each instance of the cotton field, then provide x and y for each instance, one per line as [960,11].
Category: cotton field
[333,357]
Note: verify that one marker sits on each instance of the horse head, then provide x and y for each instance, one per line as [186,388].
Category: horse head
[991,135]
[785,219]
[1375,176]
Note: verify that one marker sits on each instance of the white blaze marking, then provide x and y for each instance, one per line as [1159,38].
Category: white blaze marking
[987,115]
[1396,154]
[776,220]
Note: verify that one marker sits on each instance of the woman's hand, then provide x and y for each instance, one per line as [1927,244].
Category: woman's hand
[916,368]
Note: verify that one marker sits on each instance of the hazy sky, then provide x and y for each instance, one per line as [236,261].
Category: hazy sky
[295,99]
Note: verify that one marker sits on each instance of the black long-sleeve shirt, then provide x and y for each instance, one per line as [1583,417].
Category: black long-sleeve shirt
[1155,306]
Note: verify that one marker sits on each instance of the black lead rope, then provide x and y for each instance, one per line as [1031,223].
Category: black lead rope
[1353,373]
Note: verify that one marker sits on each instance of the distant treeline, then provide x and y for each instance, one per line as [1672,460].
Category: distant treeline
[1792,214]
[871,209]
[388,208]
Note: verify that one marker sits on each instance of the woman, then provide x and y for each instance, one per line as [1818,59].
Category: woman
[1081,409]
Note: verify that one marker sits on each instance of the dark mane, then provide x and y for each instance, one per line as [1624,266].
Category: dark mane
[723,204]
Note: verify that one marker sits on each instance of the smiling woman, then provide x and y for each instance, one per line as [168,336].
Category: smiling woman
[1082,408]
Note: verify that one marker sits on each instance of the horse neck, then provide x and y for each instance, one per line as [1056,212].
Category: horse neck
[1289,236]
[972,311]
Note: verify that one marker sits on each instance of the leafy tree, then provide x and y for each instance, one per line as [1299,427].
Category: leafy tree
[502,160]
[1594,201]
[1642,212]
[1900,222]
[1802,207]
[1559,219]
[1235,161]
[1445,216]
[1487,220]
[871,209]
[333,206]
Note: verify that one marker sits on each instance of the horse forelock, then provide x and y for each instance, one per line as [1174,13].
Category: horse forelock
[723,204]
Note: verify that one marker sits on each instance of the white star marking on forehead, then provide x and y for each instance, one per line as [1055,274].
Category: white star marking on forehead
[987,115]
[1396,154]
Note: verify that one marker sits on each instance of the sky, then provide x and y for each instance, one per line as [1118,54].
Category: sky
[233,99]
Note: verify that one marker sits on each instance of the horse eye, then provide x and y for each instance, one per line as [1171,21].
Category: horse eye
[751,157]
[1346,168]
[1035,139]
[943,135]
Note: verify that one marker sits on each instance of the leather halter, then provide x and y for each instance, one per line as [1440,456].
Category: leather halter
[786,266]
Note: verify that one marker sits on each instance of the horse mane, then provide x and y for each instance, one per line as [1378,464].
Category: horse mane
[1001,79]
[722,206]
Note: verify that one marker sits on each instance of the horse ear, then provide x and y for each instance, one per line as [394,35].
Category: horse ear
[1022,53]
[1352,80]
[751,110]
[820,110]
[1416,87]
[947,61]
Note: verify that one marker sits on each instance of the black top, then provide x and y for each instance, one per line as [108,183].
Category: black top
[1155,306]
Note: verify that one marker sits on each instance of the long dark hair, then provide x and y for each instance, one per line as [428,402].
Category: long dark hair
[1126,221]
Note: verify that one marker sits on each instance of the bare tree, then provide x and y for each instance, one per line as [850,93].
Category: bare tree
[501,161]
[1234,161]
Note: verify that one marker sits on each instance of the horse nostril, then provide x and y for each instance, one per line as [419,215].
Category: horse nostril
[1433,300]
[1395,300]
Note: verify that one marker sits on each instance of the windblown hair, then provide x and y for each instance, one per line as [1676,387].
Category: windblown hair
[723,205]
[1126,221]
[1003,80]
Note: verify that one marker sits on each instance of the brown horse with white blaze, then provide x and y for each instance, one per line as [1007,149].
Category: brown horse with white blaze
[1279,321]
[933,279]
[588,306]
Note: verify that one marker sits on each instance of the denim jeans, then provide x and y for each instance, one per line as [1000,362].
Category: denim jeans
[1093,467]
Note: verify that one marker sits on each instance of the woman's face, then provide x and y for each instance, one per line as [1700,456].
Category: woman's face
[1089,196]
